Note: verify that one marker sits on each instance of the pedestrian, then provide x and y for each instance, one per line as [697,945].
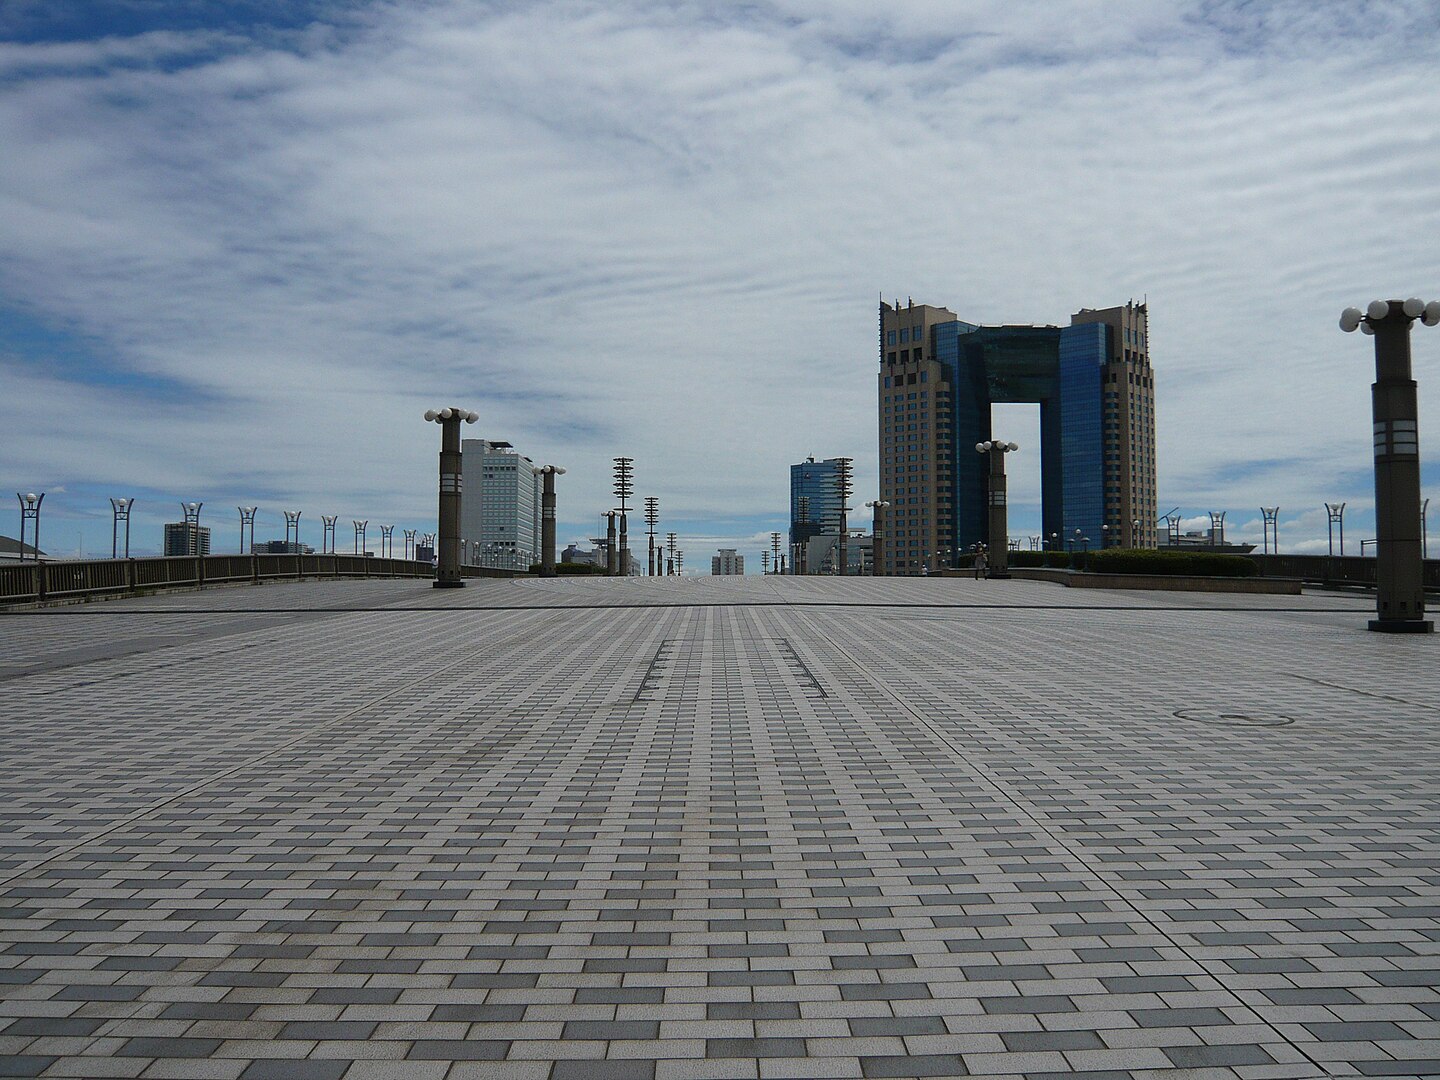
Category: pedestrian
[981,564]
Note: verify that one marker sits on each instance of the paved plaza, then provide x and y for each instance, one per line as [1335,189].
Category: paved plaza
[713,828]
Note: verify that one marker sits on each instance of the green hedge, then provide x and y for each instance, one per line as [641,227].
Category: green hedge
[1040,558]
[1185,563]
[570,568]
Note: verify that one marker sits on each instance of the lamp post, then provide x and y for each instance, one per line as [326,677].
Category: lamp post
[1217,528]
[670,548]
[775,551]
[1399,551]
[120,511]
[327,537]
[292,525]
[447,571]
[877,536]
[844,488]
[1337,517]
[360,527]
[191,511]
[247,517]
[30,511]
[1054,541]
[652,518]
[387,541]
[1135,533]
[547,518]
[410,544]
[1104,536]
[999,541]
[764,562]
[624,488]
[612,550]
[1271,526]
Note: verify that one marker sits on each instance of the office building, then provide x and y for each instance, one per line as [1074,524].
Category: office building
[822,553]
[281,547]
[183,538]
[814,501]
[938,378]
[500,504]
[727,563]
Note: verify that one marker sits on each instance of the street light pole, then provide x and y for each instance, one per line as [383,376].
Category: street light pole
[547,519]
[670,547]
[1272,527]
[1337,516]
[247,517]
[612,550]
[120,510]
[1400,569]
[447,572]
[652,518]
[999,542]
[844,488]
[30,511]
[624,490]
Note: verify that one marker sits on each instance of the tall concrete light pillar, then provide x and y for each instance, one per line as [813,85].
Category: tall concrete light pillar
[1399,570]
[652,518]
[844,488]
[612,549]
[547,519]
[999,541]
[447,570]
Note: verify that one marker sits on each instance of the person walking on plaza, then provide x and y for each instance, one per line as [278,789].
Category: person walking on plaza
[982,564]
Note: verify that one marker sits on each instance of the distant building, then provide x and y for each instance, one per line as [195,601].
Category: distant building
[10,551]
[814,501]
[822,553]
[281,547]
[424,553]
[499,504]
[573,554]
[727,563]
[939,377]
[183,538]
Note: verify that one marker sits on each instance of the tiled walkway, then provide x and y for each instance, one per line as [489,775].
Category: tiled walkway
[583,830]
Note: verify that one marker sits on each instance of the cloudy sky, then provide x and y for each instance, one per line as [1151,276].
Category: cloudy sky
[243,246]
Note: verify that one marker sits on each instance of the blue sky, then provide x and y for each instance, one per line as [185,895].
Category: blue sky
[248,244]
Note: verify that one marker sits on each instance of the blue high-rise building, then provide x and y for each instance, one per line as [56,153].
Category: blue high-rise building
[814,501]
[939,377]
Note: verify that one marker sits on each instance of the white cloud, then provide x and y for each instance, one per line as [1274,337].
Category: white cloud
[661,230]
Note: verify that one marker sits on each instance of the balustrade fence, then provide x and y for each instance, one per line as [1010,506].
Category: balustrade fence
[1333,569]
[56,580]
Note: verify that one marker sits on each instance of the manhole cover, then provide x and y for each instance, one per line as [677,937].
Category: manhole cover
[1234,719]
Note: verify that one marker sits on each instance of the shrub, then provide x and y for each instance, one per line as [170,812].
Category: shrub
[1189,563]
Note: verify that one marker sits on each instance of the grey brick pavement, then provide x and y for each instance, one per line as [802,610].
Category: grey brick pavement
[717,828]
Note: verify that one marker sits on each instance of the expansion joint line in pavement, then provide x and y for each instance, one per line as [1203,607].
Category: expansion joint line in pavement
[1033,814]
[201,785]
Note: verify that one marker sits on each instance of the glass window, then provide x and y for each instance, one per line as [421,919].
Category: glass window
[904,334]
[890,337]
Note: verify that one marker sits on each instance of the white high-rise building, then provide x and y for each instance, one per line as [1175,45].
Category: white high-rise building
[727,563]
[500,505]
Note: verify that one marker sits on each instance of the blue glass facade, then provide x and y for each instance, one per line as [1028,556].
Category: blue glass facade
[819,482]
[1083,352]
[1061,369]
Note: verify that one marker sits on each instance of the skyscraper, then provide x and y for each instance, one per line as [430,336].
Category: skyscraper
[938,378]
[814,499]
[500,503]
[727,563]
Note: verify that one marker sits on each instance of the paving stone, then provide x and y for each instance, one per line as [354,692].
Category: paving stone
[824,827]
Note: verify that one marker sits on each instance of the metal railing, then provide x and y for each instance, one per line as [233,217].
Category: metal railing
[57,580]
[1334,569]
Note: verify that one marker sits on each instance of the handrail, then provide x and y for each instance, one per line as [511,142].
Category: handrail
[22,582]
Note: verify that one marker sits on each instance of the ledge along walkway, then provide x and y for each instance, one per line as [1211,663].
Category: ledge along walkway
[712,828]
